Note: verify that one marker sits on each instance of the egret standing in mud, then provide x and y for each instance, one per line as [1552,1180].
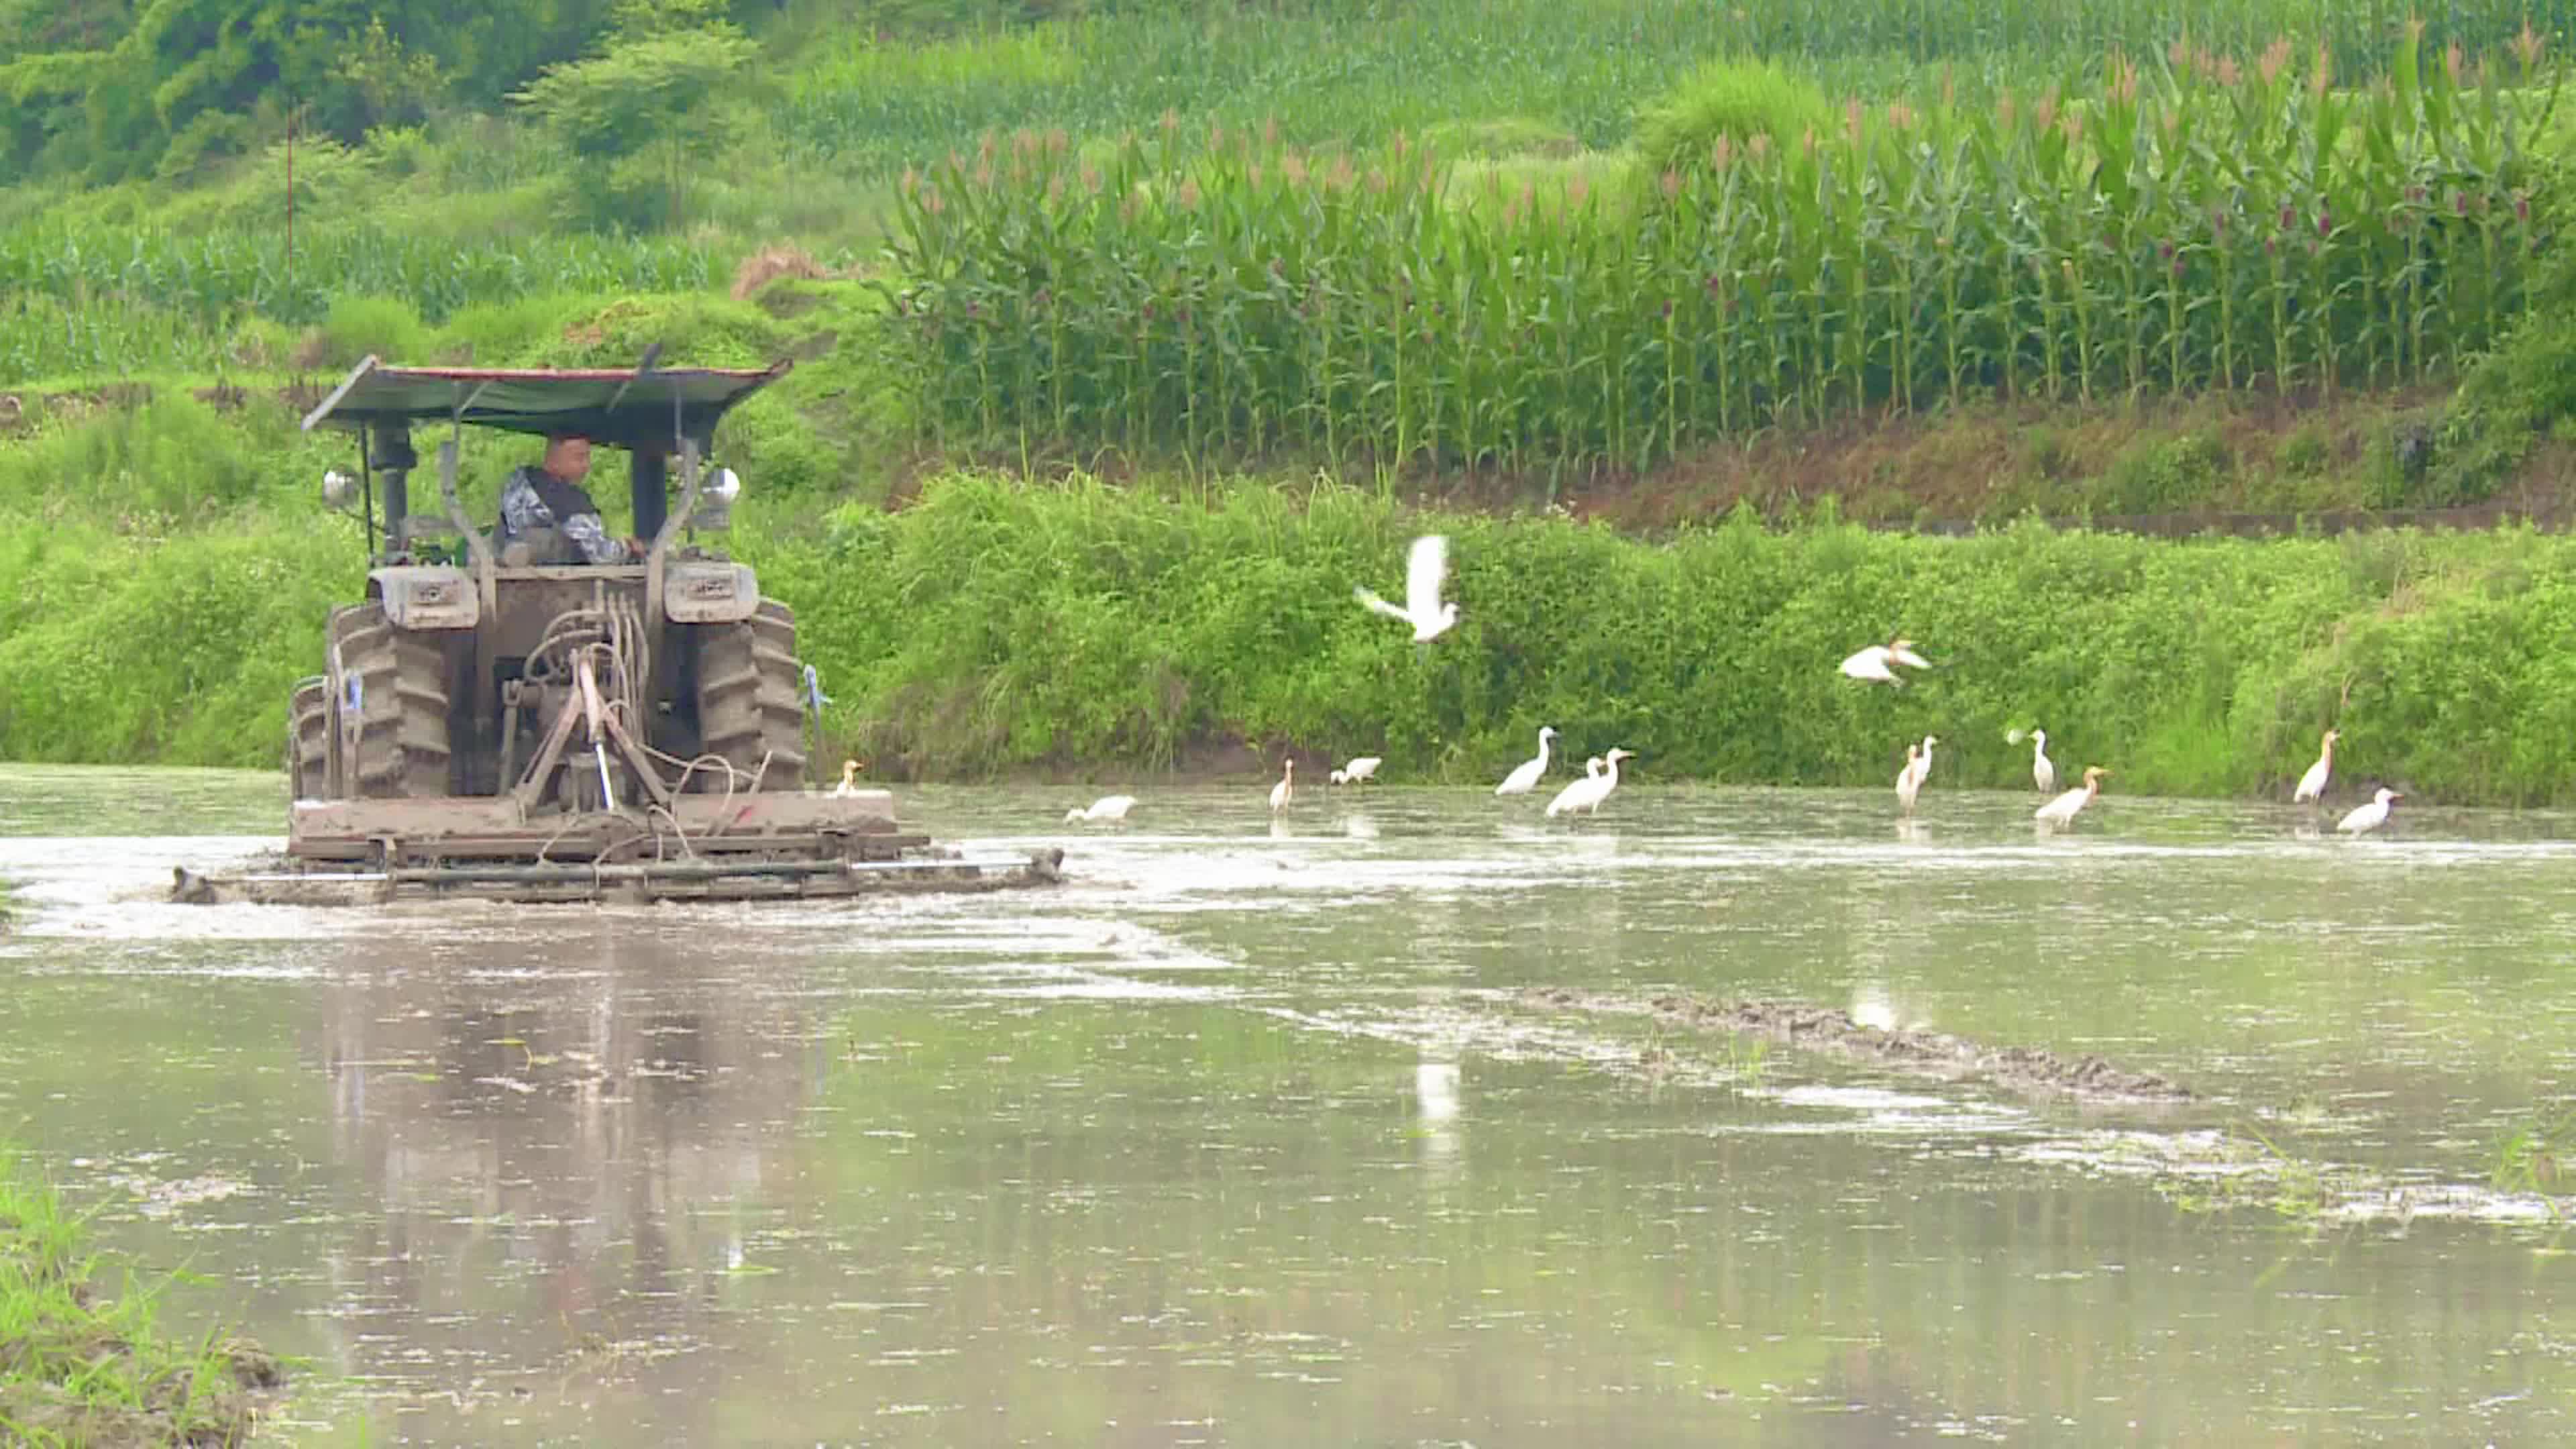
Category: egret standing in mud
[2367,818]
[1286,789]
[1112,808]
[2061,811]
[2312,785]
[1908,783]
[1872,665]
[2042,773]
[1587,793]
[1524,776]
[849,779]
[1363,768]
[1425,566]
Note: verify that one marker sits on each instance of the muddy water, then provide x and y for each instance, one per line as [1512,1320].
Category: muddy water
[1263,1133]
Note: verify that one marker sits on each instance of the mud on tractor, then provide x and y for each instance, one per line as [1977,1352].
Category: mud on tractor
[495,721]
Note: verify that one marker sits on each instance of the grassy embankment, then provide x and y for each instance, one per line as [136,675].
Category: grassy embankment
[79,1365]
[1960,380]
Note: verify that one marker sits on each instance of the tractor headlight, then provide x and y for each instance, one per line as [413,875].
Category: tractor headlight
[339,491]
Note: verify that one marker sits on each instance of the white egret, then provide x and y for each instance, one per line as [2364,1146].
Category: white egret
[2313,783]
[2061,811]
[1908,783]
[1286,789]
[1108,807]
[2042,773]
[1524,777]
[1587,793]
[849,779]
[2367,818]
[1923,766]
[1363,768]
[1873,664]
[1425,565]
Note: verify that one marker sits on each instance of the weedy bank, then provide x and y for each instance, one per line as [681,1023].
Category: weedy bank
[1089,629]
[83,1364]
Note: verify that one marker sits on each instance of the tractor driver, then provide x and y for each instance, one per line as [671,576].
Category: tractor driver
[549,495]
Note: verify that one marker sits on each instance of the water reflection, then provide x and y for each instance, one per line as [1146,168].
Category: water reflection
[1186,1149]
[555,1138]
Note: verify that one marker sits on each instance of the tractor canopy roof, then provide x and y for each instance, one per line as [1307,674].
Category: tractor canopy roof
[616,406]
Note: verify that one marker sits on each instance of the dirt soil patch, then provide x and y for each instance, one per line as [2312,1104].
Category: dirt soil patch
[1817,1028]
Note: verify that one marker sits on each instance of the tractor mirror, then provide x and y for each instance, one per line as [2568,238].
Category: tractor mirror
[339,492]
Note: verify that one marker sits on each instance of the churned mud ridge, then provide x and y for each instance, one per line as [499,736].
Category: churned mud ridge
[1819,1028]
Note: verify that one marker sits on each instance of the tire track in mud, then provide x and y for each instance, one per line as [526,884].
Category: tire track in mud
[1928,1053]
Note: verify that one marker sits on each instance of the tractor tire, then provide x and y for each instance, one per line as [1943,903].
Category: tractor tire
[308,739]
[402,741]
[747,704]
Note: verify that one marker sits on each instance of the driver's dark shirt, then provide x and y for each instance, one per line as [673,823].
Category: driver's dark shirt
[535,498]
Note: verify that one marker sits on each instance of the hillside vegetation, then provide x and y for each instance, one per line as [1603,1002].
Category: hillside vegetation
[1129,337]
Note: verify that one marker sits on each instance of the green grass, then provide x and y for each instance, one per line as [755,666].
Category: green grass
[83,1364]
[995,627]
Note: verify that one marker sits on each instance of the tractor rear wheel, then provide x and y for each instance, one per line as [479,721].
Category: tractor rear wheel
[747,704]
[308,738]
[402,743]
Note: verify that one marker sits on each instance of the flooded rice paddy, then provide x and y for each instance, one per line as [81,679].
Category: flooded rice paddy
[1358,1127]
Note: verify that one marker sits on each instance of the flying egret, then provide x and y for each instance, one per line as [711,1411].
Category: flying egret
[1286,789]
[1872,665]
[1363,768]
[1425,565]
[1908,783]
[2313,783]
[2061,811]
[2042,773]
[1587,793]
[1524,777]
[2367,818]
[1112,808]
[849,778]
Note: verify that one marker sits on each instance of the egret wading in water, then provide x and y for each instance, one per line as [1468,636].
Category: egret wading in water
[849,779]
[1873,665]
[1908,783]
[1587,793]
[1286,789]
[1363,768]
[2367,818]
[1425,566]
[2312,785]
[1923,764]
[2042,773]
[2061,811]
[1112,808]
[1524,776]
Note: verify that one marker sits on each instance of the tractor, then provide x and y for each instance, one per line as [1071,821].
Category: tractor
[493,719]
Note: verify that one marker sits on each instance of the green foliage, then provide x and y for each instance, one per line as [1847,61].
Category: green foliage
[153,300]
[1735,98]
[2162,475]
[180,650]
[635,116]
[380,326]
[1227,293]
[89,1362]
[993,626]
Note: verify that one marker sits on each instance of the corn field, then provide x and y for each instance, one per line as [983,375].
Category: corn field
[2196,224]
[74,304]
[1351,69]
